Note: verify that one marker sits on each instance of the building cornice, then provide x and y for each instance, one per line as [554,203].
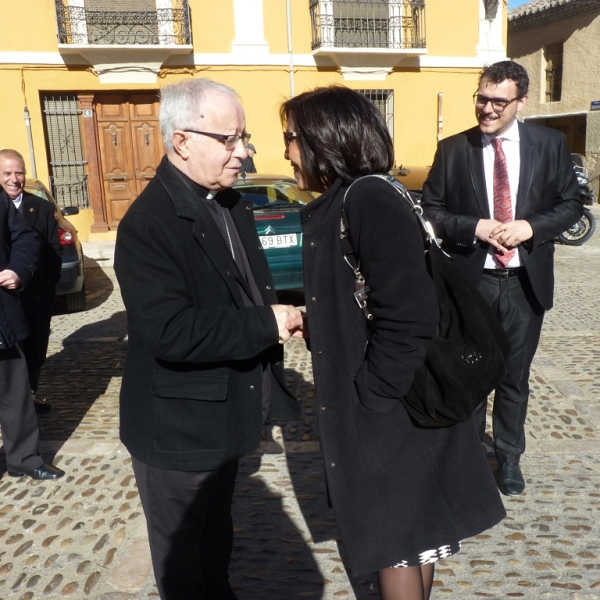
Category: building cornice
[240,59]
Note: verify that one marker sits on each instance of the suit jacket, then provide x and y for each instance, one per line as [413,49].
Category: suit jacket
[39,215]
[19,252]
[455,199]
[191,397]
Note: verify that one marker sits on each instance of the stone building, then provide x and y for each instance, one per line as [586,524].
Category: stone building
[558,42]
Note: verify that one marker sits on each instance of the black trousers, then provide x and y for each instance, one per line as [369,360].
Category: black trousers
[190,529]
[522,318]
[20,433]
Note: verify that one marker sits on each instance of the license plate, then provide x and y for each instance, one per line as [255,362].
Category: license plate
[285,240]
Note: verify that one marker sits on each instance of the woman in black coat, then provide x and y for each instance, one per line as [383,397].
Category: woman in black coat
[403,496]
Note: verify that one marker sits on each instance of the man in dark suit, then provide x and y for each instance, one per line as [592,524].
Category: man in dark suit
[248,165]
[204,364]
[498,195]
[19,252]
[38,297]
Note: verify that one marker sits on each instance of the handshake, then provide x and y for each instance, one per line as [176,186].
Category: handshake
[290,321]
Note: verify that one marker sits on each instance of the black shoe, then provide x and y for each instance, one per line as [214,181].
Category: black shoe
[511,479]
[42,472]
[41,406]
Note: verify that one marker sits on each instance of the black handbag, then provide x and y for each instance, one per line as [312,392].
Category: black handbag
[466,360]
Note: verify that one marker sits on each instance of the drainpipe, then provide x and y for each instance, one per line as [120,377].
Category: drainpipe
[30,141]
[290,48]
[440,115]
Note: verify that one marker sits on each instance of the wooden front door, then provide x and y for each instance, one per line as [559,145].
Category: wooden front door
[130,148]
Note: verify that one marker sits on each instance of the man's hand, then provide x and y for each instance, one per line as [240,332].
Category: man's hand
[484,229]
[286,314]
[298,327]
[503,236]
[512,233]
[9,279]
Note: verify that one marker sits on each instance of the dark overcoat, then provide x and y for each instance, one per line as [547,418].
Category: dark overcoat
[455,199]
[38,296]
[396,490]
[19,252]
[192,382]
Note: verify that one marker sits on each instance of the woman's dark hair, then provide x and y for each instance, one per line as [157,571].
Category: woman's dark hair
[507,69]
[340,133]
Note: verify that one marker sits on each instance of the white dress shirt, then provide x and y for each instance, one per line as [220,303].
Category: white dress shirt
[17,201]
[511,146]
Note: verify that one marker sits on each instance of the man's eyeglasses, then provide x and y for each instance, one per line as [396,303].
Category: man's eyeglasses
[498,104]
[288,136]
[230,141]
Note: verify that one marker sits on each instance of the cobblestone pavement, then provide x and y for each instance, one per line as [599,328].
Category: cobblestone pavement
[84,537]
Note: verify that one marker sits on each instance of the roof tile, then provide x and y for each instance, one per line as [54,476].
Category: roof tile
[536,6]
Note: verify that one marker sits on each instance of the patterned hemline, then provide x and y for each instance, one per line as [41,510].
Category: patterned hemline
[429,556]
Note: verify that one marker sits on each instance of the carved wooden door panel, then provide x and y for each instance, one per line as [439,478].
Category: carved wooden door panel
[116,155]
[147,142]
[130,148]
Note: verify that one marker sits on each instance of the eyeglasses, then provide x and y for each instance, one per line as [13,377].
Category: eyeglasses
[230,141]
[498,104]
[288,136]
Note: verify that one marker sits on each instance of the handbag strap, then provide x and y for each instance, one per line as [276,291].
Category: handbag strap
[361,289]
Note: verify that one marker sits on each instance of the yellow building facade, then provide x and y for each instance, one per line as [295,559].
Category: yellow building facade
[80,78]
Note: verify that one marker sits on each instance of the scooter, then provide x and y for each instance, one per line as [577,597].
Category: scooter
[584,229]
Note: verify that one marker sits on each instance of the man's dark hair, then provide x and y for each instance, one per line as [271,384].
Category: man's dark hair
[507,69]
[340,134]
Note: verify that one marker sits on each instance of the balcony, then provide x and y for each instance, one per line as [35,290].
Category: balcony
[367,35]
[124,45]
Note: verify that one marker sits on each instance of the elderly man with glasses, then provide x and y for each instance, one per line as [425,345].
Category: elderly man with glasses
[204,365]
[498,194]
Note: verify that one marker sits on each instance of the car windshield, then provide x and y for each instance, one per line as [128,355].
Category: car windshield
[276,194]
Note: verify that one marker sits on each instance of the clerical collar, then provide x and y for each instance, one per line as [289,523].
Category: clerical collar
[196,188]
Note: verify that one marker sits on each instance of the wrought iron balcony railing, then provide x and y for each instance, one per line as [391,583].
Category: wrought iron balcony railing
[71,193]
[163,26]
[392,24]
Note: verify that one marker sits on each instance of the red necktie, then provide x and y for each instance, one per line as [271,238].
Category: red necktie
[502,203]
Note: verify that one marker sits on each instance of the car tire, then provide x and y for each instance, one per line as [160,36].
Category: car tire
[75,302]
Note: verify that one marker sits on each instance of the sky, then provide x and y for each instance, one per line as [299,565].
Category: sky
[514,3]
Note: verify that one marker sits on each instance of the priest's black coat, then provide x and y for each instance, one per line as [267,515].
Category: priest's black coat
[191,397]
[396,490]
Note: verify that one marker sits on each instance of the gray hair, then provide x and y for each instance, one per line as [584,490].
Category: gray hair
[9,153]
[181,105]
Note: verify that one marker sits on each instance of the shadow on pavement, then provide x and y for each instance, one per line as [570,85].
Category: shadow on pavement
[271,560]
[74,378]
[309,487]
[99,287]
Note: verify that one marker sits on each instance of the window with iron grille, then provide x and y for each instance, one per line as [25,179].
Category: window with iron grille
[384,101]
[129,20]
[361,24]
[68,180]
[553,55]
[119,22]
[397,24]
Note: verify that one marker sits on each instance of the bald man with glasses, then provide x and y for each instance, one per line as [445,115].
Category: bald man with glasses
[498,194]
[204,365]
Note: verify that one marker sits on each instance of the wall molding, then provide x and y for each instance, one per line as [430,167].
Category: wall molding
[235,59]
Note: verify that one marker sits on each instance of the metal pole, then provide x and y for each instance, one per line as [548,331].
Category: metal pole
[30,141]
[290,48]
[440,115]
